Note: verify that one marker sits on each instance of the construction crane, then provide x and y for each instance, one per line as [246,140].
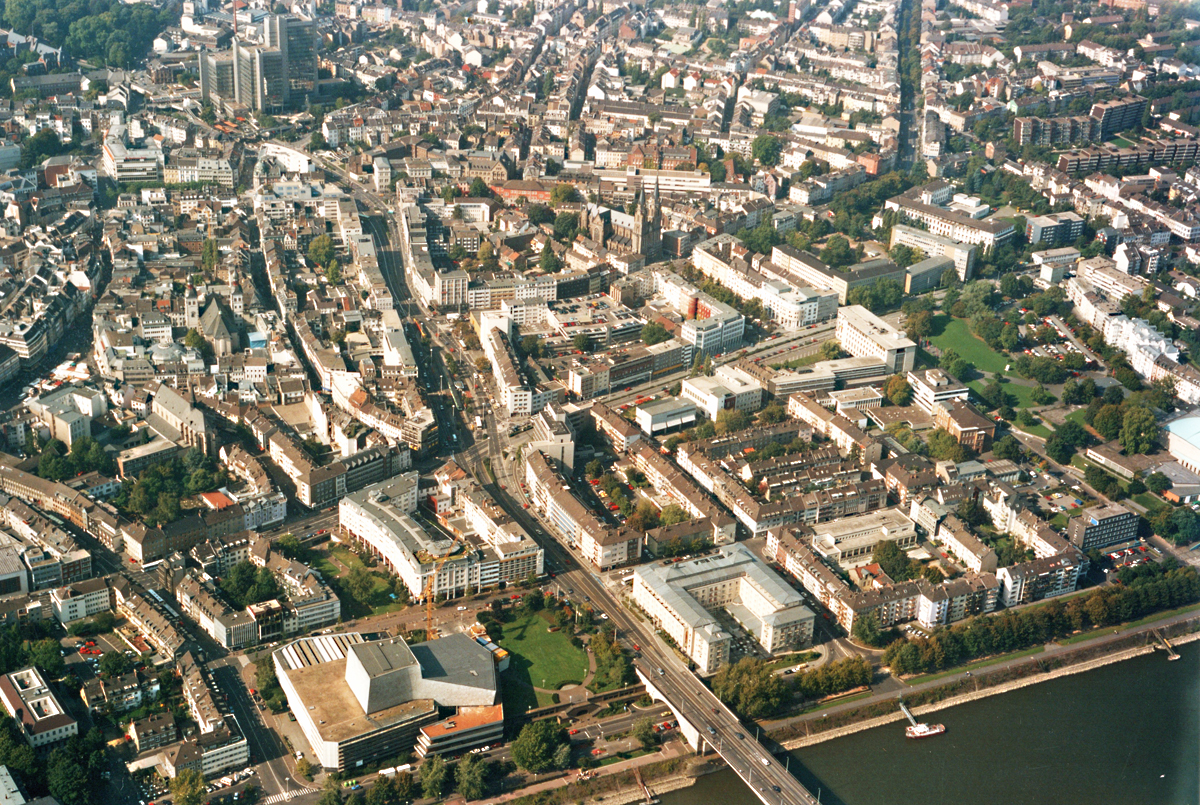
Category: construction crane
[430,634]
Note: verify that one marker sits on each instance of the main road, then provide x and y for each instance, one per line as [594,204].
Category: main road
[687,695]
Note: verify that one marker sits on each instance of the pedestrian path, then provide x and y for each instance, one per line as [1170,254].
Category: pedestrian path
[282,797]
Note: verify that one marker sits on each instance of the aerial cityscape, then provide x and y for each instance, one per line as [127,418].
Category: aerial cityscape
[556,401]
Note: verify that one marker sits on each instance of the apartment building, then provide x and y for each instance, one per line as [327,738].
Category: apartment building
[931,605]
[1042,578]
[680,599]
[924,204]
[956,537]
[603,546]
[1054,229]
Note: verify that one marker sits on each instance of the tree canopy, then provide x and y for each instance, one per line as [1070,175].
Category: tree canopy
[766,149]
[751,688]
[1139,430]
[245,584]
[898,390]
[534,749]
[101,31]
[654,333]
[188,787]
[321,250]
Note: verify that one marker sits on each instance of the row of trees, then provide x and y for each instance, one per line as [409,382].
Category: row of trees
[753,689]
[613,667]
[1142,591]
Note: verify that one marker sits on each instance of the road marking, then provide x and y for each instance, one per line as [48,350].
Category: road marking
[281,797]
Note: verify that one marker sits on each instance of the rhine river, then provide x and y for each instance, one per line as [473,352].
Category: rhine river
[1125,733]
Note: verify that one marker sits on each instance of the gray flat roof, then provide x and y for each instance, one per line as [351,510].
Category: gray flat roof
[456,660]
[384,656]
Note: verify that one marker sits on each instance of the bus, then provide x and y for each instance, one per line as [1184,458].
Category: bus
[478,423]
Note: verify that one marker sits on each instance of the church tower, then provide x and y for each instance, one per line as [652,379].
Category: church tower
[648,221]
[236,302]
[191,308]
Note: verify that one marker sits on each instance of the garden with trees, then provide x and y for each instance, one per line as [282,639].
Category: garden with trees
[155,497]
[753,689]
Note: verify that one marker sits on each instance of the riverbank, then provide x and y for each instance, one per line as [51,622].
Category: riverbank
[995,690]
[665,785]
[618,784]
[1035,670]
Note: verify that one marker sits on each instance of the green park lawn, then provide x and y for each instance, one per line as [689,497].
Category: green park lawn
[951,333]
[1078,417]
[1036,430]
[1150,501]
[540,657]
[1022,396]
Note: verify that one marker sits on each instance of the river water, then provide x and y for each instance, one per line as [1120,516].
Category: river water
[1125,733]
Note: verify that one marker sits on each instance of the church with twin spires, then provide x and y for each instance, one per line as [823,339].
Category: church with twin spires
[618,231]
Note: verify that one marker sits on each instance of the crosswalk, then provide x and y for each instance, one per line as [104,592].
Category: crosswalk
[281,797]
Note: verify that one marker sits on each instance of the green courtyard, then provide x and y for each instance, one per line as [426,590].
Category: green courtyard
[542,658]
[538,658]
[952,333]
[335,562]
[1021,396]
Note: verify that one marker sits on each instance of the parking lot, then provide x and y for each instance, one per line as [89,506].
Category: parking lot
[1131,554]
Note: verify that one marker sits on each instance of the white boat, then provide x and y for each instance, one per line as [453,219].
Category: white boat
[924,730]
[921,730]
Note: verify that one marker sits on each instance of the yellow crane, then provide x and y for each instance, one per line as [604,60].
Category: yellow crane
[430,633]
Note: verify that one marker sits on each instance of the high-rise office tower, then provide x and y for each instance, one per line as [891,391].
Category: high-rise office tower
[297,40]
[278,75]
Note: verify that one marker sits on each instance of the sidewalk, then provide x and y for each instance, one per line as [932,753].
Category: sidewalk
[670,750]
